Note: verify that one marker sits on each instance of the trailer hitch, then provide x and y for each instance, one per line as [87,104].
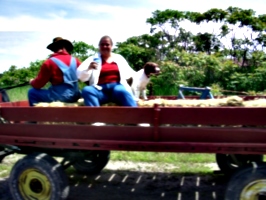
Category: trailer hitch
[3,94]
[5,152]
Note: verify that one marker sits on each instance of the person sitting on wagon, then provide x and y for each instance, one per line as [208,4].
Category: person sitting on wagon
[106,74]
[60,69]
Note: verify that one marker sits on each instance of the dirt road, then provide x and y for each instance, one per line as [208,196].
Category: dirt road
[121,185]
[130,184]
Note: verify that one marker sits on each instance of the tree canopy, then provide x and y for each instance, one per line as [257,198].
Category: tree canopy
[230,56]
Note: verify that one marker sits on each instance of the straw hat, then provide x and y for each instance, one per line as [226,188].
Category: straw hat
[62,42]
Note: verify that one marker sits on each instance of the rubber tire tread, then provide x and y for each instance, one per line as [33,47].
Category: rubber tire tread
[242,177]
[224,165]
[1,158]
[97,165]
[46,165]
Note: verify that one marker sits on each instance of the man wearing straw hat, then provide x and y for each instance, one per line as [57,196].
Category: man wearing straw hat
[60,70]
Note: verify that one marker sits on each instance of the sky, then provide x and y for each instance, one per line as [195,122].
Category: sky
[28,26]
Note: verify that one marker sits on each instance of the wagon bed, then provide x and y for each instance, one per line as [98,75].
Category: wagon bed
[219,130]
[172,129]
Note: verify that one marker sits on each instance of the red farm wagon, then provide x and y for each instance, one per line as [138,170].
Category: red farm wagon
[236,135]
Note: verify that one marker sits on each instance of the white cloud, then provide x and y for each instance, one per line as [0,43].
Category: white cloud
[88,31]
[87,21]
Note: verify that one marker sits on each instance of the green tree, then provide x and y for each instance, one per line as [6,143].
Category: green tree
[232,20]
[82,50]
[139,50]
[206,42]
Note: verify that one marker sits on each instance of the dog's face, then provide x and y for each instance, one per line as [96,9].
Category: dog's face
[151,68]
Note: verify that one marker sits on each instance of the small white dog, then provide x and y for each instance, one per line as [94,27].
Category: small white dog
[141,79]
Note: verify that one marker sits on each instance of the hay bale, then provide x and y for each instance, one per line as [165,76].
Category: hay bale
[234,101]
[81,102]
[150,103]
[255,103]
[56,104]
[229,101]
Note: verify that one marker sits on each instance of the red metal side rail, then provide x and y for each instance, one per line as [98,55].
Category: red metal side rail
[173,129]
[15,103]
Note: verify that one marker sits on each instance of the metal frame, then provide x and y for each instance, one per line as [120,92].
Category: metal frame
[205,92]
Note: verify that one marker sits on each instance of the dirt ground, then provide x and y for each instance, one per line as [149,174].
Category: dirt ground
[130,181]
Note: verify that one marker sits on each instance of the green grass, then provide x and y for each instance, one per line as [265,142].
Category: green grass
[162,157]
[183,162]
[7,164]
[18,94]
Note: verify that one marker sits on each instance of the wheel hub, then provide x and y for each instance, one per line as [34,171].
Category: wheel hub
[34,185]
[255,190]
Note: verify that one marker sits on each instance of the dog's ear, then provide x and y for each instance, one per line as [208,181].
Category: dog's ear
[130,81]
[151,68]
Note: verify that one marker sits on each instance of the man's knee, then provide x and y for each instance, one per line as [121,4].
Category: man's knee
[31,92]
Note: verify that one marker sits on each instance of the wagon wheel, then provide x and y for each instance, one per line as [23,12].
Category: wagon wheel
[38,176]
[228,163]
[249,183]
[91,162]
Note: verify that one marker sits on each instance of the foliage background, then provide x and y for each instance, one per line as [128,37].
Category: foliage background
[223,59]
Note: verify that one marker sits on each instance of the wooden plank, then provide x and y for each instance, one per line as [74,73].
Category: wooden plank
[21,103]
[193,147]
[213,116]
[136,133]
[14,104]
[79,114]
[169,115]
[212,135]
[158,137]
[6,104]
[67,131]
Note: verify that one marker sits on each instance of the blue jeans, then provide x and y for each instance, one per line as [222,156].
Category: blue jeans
[38,95]
[111,92]
[61,93]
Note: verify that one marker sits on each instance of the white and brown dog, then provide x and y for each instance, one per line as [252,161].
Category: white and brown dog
[141,79]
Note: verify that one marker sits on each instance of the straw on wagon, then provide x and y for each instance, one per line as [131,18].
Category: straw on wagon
[228,101]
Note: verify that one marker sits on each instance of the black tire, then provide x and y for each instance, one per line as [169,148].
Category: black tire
[1,157]
[38,176]
[229,163]
[91,162]
[5,97]
[248,183]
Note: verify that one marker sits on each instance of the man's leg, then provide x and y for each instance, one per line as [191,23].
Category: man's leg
[38,95]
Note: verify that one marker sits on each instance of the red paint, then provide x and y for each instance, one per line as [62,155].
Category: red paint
[172,129]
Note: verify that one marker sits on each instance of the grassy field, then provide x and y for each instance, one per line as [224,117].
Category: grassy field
[187,162]
[163,157]
[184,162]
[18,94]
